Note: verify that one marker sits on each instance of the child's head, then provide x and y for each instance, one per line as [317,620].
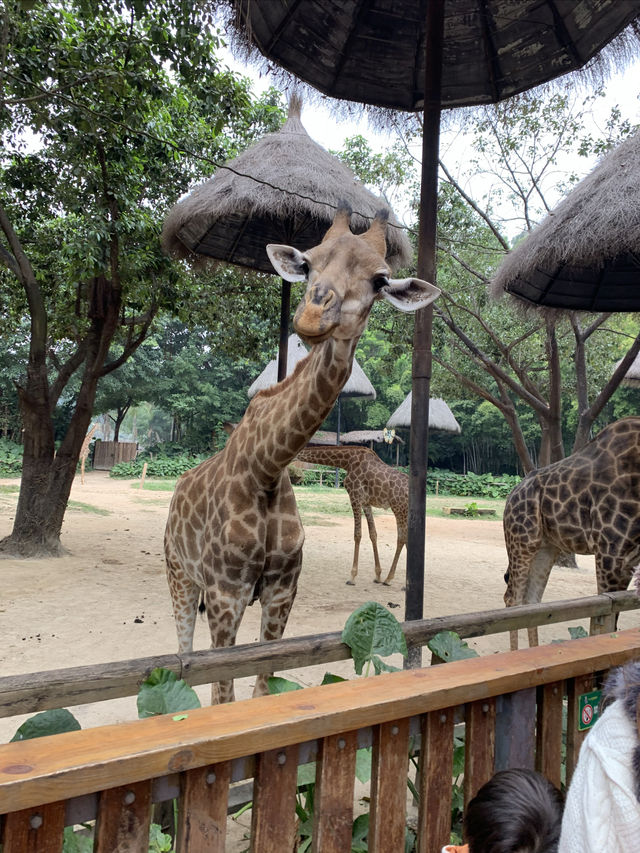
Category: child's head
[517,811]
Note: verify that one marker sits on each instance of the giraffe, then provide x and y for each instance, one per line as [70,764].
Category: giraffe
[369,482]
[84,450]
[588,503]
[233,533]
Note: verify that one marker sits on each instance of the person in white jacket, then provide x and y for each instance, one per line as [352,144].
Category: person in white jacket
[603,801]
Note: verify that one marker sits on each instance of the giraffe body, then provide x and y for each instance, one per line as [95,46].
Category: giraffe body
[369,482]
[588,503]
[233,531]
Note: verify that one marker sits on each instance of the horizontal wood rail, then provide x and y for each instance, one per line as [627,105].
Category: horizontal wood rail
[501,693]
[57,688]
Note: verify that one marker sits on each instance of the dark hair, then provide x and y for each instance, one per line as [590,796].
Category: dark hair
[516,811]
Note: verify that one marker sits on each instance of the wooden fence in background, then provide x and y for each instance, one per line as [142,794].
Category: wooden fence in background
[511,704]
[106,454]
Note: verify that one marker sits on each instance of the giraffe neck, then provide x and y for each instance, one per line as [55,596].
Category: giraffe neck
[280,421]
[339,457]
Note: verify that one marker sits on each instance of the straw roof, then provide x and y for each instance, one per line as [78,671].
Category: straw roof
[586,254]
[374,52]
[440,415]
[357,385]
[364,436]
[632,376]
[284,189]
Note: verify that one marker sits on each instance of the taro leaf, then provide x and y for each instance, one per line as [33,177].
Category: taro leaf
[282,685]
[372,630]
[360,831]
[330,678]
[448,646]
[75,842]
[52,722]
[380,666]
[363,764]
[162,693]
[577,633]
[159,842]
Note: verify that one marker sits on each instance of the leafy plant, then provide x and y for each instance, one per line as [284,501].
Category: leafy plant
[51,722]
[371,631]
[162,693]
[448,646]
[471,510]
[10,458]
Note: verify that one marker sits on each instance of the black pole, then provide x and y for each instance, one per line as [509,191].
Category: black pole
[421,366]
[285,310]
[337,481]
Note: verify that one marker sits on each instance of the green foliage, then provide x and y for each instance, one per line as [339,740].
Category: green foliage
[10,458]
[47,723]
[277,684]
[470,484]
[448,646]
[163,467]
[76,842]
[159,841]
[577,632]
[371,631]
[162,693]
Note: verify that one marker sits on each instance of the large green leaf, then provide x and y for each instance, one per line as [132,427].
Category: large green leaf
[372,630]
[163,693]
[52,722]
[448,646]
[276,684]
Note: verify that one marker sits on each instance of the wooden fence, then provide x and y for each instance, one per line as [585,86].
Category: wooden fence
[511,704]
[39,691]
[106,454]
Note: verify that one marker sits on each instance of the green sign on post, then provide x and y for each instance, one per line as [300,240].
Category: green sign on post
[588,709]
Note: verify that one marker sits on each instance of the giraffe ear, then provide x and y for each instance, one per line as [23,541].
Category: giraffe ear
[409,294]
[288,262]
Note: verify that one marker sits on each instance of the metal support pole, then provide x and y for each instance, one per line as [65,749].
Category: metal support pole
[421,368]
[285,311]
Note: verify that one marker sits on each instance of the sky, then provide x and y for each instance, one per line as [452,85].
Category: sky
[330,131]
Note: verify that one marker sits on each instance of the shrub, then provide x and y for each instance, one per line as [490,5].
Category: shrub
[162,467]
[470,485]
[10,458]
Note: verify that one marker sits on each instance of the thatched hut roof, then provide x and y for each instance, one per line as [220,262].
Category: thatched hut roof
[357,384]
[364,436]
[440,415]
[586,254]
[284,189]
[632,376]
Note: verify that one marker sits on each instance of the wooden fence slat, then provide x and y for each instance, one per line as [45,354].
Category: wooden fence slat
[549,732]
[335,781]
[516,729]
[59,688]
[479,739]
[35,830]
[202,810]
[273,815]
[434,780]
[575,687]
[124,817]
[389,773]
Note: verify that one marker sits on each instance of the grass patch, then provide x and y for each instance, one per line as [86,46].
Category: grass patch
[9,490]
[155,485]
[88,508]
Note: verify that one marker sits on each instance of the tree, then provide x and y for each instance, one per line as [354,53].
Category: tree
[110,110]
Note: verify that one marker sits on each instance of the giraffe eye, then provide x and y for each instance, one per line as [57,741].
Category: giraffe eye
[380,282]
[304,268]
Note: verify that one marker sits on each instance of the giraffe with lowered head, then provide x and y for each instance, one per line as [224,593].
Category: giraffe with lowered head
[233,532]
[588,503]
[369,482]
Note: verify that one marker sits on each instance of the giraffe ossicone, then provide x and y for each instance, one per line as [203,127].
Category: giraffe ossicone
[233,528]
[587,503]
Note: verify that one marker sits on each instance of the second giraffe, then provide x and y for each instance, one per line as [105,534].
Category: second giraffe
[369,482]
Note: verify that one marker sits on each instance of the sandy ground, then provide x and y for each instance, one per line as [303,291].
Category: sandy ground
[108,599]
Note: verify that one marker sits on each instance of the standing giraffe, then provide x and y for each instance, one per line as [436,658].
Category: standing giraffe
[233,526]
[369,482]
[588,503]
[84,450]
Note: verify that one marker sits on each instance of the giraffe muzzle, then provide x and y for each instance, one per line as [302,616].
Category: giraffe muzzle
[318,314]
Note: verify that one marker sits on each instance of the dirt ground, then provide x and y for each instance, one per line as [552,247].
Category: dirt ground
[107,600]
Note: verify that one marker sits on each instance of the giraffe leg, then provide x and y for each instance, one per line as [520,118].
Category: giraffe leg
[357,536]
[613,574]
[225,609]
[401,542]
[184,598]
[373,535]
[277,594]
[527,581]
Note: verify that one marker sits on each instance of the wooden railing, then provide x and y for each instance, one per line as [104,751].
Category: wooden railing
[39,691]
[511,704]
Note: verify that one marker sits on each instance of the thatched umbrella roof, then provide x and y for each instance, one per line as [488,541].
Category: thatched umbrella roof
[357,384]
[440,415]
[284,189]
[632,376]
[586,254]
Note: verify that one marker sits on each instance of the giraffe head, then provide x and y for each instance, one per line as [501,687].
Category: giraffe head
[346,273]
